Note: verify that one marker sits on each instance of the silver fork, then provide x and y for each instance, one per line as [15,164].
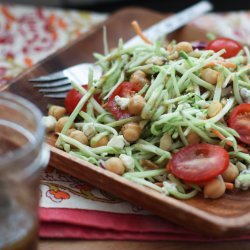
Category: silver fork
[56,85]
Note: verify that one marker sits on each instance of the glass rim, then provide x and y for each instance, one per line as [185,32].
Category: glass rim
[25,106]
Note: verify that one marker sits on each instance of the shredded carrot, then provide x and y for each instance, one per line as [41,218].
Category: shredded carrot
[104,105]
[28,61]
[224,63]
[169,166]
[229,185]
[221,136]
[229,143]
[159,184]
[138,31]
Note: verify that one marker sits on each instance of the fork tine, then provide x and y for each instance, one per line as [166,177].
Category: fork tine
[56,90]
[53,84]
[59,75]
[56,96]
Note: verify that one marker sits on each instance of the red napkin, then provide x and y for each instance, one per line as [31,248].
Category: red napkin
[96,225]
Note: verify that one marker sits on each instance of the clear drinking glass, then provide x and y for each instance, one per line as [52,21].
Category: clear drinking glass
[22,156]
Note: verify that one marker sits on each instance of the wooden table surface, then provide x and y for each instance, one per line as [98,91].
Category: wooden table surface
[135,245]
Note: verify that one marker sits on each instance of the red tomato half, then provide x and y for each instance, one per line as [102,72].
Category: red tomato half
[239,120]
[73,97]
[199,162]
[125,89]
[232,47]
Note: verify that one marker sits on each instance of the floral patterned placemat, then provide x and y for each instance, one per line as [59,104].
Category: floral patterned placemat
[29,34]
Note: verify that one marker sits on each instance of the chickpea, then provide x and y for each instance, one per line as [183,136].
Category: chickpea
[214,188]
[115,165]
[70,131]
[60,124]
[231,173]
[131,131]
[136,104]
[193,138]
[79,136]
[57,111]
[184,46]
[209,75]
[139,77]
[173,56]
[149,164]
[101,142]
[214,108]
[195,53]
[166,142]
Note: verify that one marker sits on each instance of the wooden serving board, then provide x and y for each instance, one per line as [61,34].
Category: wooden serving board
[228,216]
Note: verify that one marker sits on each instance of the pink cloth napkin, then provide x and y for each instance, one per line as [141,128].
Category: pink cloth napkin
[96,225]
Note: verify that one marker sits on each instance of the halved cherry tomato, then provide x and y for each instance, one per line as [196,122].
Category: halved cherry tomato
[199,162]
[73,97]
[232,47]
[125,89]
[239,120]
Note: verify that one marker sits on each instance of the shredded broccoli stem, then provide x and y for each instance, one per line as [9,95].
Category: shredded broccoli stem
[176,102]
[236,89]
[86,150]
[121,122]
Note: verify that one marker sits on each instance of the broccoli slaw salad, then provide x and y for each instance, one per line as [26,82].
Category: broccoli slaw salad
[172,117]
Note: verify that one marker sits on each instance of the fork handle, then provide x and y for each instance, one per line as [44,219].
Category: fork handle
[170,24]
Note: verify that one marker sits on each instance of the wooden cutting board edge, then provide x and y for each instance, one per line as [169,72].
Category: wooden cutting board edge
[185,215]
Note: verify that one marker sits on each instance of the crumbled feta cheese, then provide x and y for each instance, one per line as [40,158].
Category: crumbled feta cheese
[49,123]
[89,130]
[128,162]
[117,141]
[245,94]
[243,180]
[122,102]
